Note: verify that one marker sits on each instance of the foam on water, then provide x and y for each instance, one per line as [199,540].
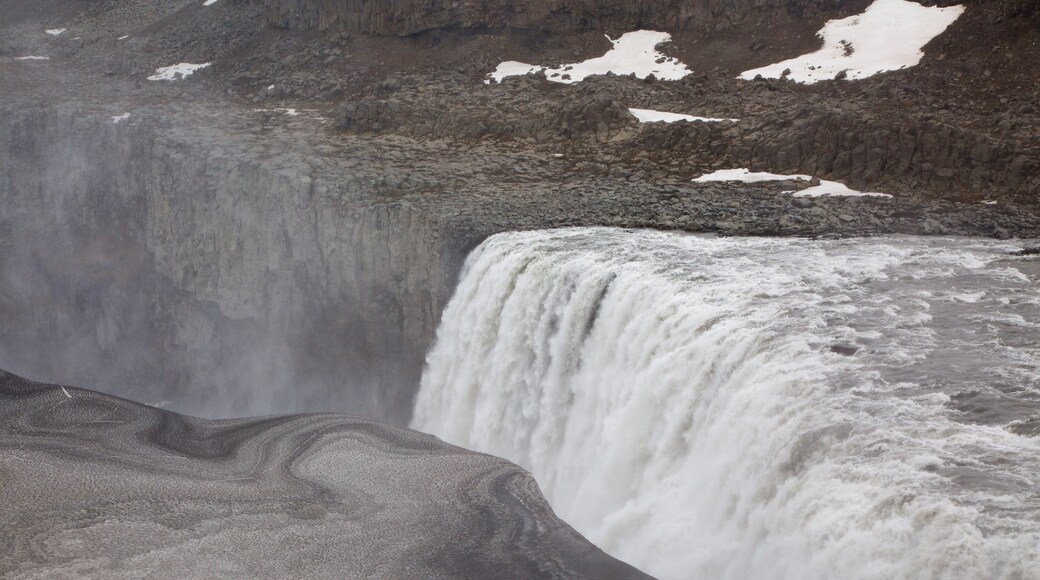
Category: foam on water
[757,408]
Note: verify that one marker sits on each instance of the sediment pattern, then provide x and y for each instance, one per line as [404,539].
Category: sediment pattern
[94,485]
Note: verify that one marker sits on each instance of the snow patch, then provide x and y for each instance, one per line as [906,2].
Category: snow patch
[889,35]
[634,52]
[835,189]
[55,31]
[209,2]
[177,71]
[825,188]
[651,116]
[32,58]
[123,37]
[117,119]
[746,176]
[990,202]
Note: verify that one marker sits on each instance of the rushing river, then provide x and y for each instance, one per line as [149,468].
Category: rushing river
[758,408]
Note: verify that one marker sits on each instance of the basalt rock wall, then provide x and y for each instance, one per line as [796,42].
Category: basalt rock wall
[405,17]
[918,155]
[910,158]
[156,268]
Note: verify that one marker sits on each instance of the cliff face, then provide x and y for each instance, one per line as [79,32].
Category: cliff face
[405,17]
[135,258]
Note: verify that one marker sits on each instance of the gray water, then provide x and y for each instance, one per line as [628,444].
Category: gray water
[758,408]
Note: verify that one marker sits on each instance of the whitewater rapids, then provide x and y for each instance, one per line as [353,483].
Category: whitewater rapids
[758,408]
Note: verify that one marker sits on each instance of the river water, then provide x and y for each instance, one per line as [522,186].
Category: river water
[758,408]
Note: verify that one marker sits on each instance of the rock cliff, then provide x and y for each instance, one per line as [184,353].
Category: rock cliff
[405,17]
[144,258]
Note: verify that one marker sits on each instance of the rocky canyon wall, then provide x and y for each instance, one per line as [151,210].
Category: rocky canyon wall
[136,258]
[406,17]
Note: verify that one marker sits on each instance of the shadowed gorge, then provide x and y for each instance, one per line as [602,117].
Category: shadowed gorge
[131,257]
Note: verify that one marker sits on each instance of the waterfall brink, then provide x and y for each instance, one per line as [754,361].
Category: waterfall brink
[757,408]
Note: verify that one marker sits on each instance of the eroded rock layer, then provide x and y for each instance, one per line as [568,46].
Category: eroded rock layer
[98,486]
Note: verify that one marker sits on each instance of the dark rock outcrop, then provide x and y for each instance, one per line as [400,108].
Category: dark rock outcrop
[405,17]
[867,151]
[529,108]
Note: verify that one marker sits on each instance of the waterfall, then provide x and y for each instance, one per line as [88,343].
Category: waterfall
[757,408]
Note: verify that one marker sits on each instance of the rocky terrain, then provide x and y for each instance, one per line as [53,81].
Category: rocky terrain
[289,221]
[96,486]
[408,17]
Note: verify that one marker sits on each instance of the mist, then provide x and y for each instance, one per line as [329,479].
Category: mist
[131,267]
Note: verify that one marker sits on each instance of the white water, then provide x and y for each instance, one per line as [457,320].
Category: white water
[679,401]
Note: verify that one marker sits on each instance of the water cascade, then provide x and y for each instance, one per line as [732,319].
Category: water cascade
[752,408]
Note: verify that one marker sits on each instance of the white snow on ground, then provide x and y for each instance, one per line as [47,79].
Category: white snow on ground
[117,119]
[747,176]
[833,188]
[889,35]
[32,58]
[825,188]
[990,202]
[177,71]
[209,2]
[123,37]
[55,31]
[634,52]
[651,116]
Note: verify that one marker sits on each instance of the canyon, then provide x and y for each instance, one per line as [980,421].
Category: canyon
[281,231]
[301,256]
